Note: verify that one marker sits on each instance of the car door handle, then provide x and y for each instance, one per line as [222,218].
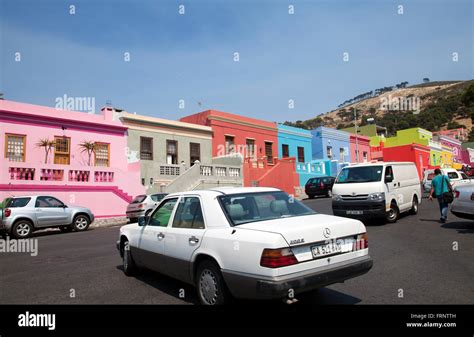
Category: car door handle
[160,236]
[193,240]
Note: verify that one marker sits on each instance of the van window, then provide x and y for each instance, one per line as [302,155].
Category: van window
[359,174]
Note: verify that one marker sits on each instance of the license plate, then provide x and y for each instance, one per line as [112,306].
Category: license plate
[327,249]
[355,212]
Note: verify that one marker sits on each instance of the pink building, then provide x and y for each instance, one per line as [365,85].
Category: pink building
[362,143]
[454,144]
[460,134]
[105,185]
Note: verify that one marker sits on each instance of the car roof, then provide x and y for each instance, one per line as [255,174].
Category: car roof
[378,163]
[226,190]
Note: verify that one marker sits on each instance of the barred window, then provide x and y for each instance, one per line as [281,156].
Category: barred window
[15,147]
[102,154]
[269,152]
[146,148]
[300,154]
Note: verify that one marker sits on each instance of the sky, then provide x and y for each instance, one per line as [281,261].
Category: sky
[48,52]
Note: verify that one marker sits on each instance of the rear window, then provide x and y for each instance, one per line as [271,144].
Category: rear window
[313,181]
[18,202]
[430,176]
[157,197]
[138,199]
[453,175]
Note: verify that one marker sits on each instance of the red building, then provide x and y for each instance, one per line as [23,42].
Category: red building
[256,140]
[416,153]
[359,147]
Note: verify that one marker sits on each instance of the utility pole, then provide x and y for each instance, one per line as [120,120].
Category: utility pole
[357,136]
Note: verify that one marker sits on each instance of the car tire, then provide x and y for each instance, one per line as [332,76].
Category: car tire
[22,229]
[393,213]
[414,206]
[66,229]
[80,223]
[128,264]
[210,284]
[311,196]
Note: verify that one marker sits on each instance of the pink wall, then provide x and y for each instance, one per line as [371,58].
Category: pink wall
[363,143]
[37,122]
[455,145]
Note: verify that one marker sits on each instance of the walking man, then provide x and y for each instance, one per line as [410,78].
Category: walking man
[439,186]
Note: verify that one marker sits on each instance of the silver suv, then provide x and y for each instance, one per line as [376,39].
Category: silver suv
[23,215]
[142,205]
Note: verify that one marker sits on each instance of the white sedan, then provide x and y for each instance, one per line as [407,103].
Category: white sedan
[254,243]
[463,204]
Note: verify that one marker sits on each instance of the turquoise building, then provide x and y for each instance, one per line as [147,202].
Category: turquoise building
[296,142]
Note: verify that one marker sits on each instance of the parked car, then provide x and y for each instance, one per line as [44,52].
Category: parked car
[255,243]
[142,205]
[456,178]
[383,189]
[463,204]
[23,215]
[319,186]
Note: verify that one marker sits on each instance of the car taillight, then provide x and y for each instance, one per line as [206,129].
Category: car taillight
[362,242]
[7,212]
[275,258]
[321,185]
[456,194]
[141,205]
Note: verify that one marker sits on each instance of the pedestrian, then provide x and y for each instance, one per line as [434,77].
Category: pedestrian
[441,189]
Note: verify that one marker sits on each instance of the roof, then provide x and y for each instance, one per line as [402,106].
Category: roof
[154,121]
[228,190]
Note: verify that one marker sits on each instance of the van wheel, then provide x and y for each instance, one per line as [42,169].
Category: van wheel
[393,213]
[414,206]
[210,284]
[22,229]
[80,223]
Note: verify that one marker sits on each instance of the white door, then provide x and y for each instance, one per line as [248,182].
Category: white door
[151,243]
[184,236]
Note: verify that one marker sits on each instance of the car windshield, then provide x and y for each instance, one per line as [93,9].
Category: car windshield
[261,206]
[359,174]
[138,199]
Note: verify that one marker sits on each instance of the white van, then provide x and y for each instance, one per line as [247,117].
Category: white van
[455,177]
[380,189]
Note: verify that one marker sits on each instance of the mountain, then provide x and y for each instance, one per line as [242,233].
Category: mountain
[433,106]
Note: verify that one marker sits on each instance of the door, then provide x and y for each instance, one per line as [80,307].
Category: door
[390,185]
[151,247]
[184,237]
[50,211]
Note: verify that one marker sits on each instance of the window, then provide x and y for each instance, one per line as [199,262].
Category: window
[300,154]
[17,202]
[453,175]
[195,152]
[250,144]
[285,150]
[102,154]
[252,207]
[229,144]
[138,199]
[146,148]
[62,148]
[162,214]
[171,152]
[48,202]
[341,154]
[15,147]
[269,152]
[189,214]
[329,152]
[158,197]
[364,155]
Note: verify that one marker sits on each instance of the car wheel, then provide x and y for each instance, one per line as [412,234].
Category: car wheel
[66,229]
[393,213]
[329,194]
[414,206]
[80,223]
[311,196]
[210,285]
[22,229]
[129,266]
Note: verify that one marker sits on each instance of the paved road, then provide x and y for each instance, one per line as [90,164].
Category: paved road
[414,256]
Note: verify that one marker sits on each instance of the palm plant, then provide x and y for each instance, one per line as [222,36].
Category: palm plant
[48,145]
[89,147]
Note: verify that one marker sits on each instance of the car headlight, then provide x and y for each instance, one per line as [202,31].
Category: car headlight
[336,197]
[377,196]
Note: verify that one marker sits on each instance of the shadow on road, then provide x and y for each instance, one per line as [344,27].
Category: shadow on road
[463,227]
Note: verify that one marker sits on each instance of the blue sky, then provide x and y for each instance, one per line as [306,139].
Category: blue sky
[190,56]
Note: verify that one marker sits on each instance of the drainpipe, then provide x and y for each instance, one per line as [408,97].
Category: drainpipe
[357,138]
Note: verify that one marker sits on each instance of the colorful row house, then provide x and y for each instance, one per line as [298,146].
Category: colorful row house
[253,140]
[453,151]
[48,151]
[333,146]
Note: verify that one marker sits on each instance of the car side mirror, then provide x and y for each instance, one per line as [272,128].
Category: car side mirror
[64,206]
[142,221]
[388,179]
